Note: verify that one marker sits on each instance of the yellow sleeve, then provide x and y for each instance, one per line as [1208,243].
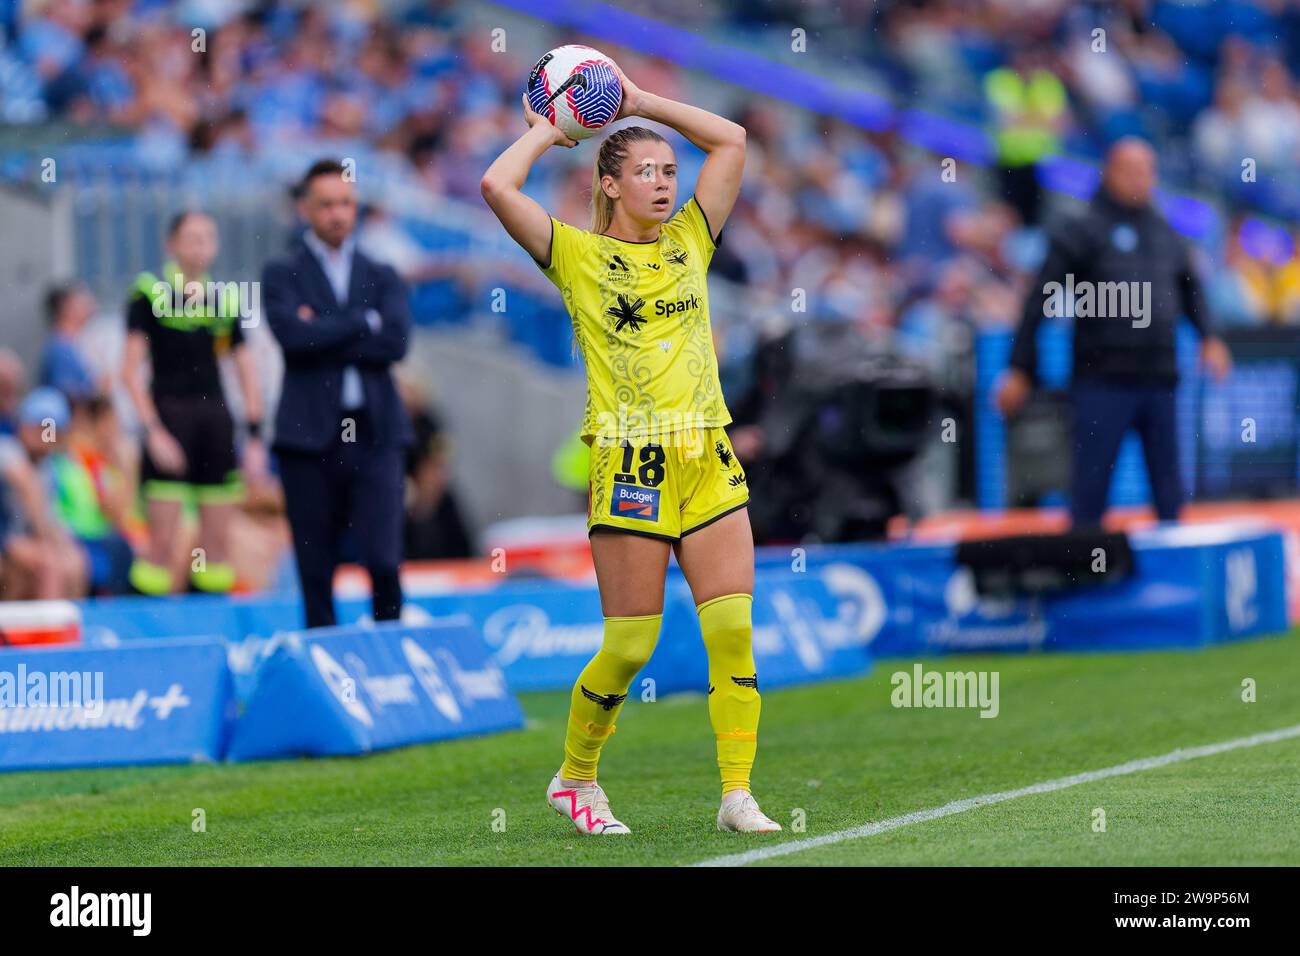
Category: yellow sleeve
[567,245]
[695,230]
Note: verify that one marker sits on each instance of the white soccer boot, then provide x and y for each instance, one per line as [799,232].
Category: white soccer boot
[586,807]
[739,813]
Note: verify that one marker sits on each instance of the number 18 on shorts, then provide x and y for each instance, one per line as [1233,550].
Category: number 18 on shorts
[665,491]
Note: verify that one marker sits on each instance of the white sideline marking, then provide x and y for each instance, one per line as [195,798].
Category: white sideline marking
[970,803]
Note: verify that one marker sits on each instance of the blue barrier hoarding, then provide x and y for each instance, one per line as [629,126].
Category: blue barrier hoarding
[106,621]
[350,690]
[816,625]
[540,634]
[162,701]
[806,626]
[1193,585]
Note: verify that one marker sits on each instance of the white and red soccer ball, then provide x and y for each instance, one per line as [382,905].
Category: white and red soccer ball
[576,88]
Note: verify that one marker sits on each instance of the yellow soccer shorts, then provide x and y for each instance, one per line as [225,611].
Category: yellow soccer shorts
[667,488]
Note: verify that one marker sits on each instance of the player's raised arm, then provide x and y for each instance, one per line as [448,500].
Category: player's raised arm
[502,186]
[722,140]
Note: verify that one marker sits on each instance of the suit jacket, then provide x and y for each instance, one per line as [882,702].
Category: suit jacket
[317,349]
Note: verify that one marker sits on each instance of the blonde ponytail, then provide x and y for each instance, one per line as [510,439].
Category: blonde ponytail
[602,207]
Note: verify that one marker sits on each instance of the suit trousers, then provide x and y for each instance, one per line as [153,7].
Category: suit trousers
[352,489]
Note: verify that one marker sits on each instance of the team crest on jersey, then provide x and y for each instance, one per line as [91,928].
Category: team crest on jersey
[631,501]
[627,313]
[675,254]
[619,270]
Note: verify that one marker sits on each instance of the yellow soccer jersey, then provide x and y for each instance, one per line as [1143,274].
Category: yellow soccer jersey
[640,314]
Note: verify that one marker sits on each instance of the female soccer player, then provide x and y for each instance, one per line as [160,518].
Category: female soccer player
[662,471]
[189,447]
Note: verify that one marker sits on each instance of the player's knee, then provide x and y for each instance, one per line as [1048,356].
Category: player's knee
[632,639]
[726,625]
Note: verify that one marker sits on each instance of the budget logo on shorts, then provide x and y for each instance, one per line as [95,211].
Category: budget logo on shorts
[629,501]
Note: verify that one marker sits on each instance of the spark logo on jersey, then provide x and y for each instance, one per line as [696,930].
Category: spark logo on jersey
[629,501]
[671,306]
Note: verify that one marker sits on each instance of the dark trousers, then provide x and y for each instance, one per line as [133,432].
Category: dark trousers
[352,489]
[1102,413]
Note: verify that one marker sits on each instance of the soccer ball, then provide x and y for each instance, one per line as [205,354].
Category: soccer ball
[576,88]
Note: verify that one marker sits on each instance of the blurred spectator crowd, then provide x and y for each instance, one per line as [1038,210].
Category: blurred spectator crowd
[862,221]
[862,217]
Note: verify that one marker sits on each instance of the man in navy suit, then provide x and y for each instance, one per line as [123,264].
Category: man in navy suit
[341,431]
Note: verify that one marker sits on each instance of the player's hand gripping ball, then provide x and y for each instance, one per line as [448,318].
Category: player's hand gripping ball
[576,89]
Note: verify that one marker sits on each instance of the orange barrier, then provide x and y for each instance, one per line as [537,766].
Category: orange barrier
[39,622]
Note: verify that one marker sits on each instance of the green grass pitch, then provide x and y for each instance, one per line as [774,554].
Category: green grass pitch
[837,755]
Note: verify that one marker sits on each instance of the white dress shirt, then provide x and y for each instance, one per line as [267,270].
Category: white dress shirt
[337,264]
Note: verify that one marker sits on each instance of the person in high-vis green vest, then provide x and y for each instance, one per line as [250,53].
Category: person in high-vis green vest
[91,497]
[183,322]
[570,463]
[1030,105]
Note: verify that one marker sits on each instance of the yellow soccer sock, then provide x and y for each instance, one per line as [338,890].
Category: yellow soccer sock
[734,704]
[601,689]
